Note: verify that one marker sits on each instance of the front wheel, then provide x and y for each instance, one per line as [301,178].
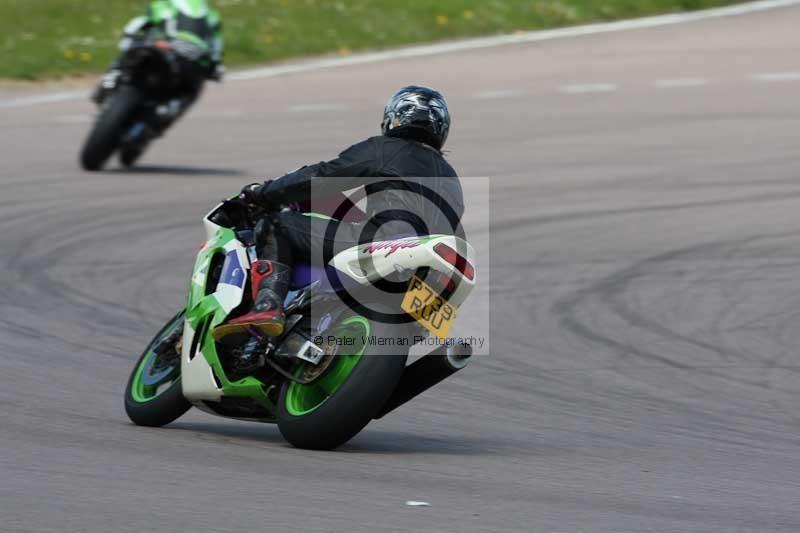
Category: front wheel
[154,396]
[110,127]
[363,374]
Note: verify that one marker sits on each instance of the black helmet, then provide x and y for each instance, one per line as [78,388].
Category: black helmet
[418,113]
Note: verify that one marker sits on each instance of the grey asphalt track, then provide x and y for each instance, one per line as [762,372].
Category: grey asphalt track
[647,240]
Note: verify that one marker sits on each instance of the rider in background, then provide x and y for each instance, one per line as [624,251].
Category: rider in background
[194,31]
[415,126]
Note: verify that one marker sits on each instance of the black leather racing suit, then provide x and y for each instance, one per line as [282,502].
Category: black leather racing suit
[426,196]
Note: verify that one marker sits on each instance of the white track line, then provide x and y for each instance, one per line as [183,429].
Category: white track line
[777,76]
[313,108]
[218,114]
[584,88]
[515,38]
[464,45]
[74,119]
[678,83]
[497,95]
[48,98]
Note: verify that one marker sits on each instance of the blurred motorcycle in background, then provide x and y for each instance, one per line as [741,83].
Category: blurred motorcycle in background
[336,366]
[137,102]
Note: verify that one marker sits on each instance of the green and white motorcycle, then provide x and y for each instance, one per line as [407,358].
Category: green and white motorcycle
[341,361]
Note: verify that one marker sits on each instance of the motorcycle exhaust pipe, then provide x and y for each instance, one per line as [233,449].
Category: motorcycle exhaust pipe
[426,372]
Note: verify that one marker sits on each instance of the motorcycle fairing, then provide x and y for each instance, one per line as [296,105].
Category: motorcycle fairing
[368,263]
[201,371]
[212,299]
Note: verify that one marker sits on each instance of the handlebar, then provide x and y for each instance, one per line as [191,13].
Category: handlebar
[237,214]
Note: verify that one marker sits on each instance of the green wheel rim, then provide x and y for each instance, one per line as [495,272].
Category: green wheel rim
[148,380]
[303,399]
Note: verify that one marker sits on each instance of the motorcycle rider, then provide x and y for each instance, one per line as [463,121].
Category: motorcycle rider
[194,31]
[416,122]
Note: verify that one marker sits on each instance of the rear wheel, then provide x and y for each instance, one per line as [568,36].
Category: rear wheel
[110,127]
[154,396]
[128,155]
[331,410]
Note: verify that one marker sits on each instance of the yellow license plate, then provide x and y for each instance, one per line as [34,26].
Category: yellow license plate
[428,308]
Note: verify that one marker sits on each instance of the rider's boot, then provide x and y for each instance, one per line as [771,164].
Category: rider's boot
[270,283]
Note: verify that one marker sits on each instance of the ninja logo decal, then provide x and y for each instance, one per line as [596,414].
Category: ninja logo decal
[392,246]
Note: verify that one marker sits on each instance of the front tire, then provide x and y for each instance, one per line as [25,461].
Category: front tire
[109,128]
[154,396]
[334,408]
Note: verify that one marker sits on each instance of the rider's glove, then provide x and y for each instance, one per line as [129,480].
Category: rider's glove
[110,79]
[107,84]
[256,194]
[251,194]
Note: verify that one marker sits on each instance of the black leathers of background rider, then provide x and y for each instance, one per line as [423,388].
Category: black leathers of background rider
[426,196]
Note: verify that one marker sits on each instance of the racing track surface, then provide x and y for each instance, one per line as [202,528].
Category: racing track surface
[644,375]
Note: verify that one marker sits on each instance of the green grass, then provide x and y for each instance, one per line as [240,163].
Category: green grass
[54,38]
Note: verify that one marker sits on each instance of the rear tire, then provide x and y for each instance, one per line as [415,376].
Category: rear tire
[129,155]
[109,128]
[155,409]
[354,404]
